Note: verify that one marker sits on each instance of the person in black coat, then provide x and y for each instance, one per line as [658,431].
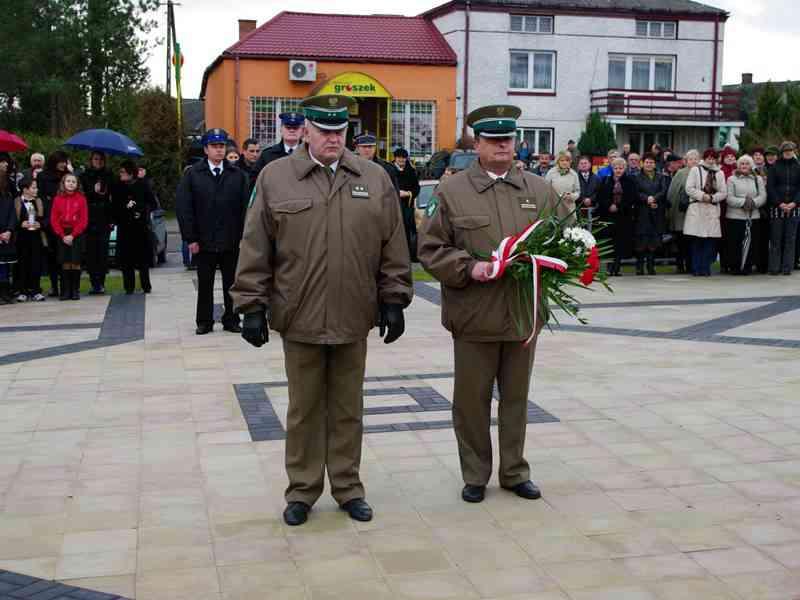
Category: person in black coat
[408,185]
[8,227]
[248,161]
[132,204]
[783,199]
[617,197]
[589,183]
[292,131]
[212,202]
[650,219]
[48,182]
[96,182]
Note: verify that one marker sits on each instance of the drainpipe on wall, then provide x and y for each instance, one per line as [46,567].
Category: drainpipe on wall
[714,76]
[465,94]
[236,102]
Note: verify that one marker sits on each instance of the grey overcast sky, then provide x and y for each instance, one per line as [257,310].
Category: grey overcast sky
[760,36]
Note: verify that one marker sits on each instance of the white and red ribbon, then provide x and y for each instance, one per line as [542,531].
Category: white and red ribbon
[507,253]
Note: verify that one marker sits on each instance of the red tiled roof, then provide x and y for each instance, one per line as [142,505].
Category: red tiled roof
[356,38]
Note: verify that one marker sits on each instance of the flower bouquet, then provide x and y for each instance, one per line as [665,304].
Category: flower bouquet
[548,258]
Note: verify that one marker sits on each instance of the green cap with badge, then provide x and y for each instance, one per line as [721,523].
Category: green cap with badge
[496,120]
[327,111]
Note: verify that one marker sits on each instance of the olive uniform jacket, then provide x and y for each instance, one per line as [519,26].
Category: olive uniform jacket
[321,256]
[468,216]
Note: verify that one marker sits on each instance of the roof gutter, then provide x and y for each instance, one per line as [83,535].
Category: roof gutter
[465,93]
[236,101]
[714,73]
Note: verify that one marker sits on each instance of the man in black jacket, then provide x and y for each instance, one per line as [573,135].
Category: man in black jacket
[211,205]
[248,161]
[366,148]
[292,131]
[783,199]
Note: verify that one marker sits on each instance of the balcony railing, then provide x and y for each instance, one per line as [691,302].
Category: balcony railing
[666,106]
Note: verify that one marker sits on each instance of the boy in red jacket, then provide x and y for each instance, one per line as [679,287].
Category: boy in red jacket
[68,220]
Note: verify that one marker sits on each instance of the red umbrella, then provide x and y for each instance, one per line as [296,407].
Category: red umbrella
[11,143]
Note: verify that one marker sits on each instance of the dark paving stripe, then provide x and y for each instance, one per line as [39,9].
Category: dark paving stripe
[15,586]
[707,331]
[264,424]
[53,327]
[123,323]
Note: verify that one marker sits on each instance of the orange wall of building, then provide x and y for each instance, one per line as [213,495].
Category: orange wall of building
[271,78]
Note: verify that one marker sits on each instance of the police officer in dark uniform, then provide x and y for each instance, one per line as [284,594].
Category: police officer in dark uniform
[292,131]
[211,205]
[366,147]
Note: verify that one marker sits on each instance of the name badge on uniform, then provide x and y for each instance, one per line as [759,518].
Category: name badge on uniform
[527,203]
[359,190]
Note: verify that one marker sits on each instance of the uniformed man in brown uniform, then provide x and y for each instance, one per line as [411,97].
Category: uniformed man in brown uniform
[324,253]
[467,217]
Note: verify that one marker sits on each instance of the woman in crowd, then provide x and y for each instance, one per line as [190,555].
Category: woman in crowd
[616,199]
[232,156]
[96,183]
[524,153]
[408,185]
[761,257]
[727,159]
[69,219]
[48,182]
[747,193]
[678,203]
[650,216]
[8,226]
[783,189]
[706,189]
[133,202]
[565,181]
[29,211]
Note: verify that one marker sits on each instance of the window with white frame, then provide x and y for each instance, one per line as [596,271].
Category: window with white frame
[532,70]
[414,127]
[657,29]
[540,139]
[641,72]
[532,24]
[265,126]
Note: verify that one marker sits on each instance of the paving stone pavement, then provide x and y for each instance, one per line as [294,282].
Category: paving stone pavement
[138,460]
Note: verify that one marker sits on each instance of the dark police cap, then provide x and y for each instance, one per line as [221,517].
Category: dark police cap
[291,119]
[496,120]
[215,136]
[327,111]
[366,139]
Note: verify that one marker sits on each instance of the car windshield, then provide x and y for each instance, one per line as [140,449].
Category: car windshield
[462,160]
[425,193]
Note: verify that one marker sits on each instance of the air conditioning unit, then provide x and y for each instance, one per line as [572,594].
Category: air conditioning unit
[302,70]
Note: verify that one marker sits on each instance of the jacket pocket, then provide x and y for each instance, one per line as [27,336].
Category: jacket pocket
[472,233]
[290,207]
[471,222]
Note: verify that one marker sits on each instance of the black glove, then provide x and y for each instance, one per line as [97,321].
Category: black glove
[254,328]
[391,318]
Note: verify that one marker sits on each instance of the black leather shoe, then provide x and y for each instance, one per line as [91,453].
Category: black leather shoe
[358,509]
[235,328]
[473,493]
[296,513]
[526,489]
[204,329]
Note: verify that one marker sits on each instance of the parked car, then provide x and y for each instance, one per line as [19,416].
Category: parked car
[461,159]
[158,233]
[426,189]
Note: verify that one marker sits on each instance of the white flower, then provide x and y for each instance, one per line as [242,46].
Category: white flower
[580,236]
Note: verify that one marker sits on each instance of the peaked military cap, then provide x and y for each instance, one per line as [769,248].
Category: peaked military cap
[215,136]
[771,150]
[366,139]
[328,111]
[496,120]
[291,119]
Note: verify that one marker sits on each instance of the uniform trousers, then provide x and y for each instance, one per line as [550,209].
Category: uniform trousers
[324,424]
[477,366]
[206,270]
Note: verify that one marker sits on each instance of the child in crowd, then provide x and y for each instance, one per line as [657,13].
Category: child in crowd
[8,226]
[29,211]
[68,220]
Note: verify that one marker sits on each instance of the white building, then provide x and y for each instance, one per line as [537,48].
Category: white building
[653,68]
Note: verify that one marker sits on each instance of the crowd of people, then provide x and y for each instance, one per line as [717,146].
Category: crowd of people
[744,209]
[56,220]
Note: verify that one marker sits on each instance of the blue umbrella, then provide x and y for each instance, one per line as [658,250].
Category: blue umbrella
[104,140]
